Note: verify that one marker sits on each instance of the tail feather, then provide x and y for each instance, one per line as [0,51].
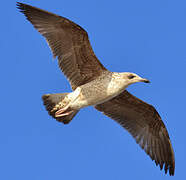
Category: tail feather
[54,102]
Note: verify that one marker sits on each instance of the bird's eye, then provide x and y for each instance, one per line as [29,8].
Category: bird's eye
[131,76]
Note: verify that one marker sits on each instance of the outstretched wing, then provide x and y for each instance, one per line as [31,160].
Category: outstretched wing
[143,122]
[69,42]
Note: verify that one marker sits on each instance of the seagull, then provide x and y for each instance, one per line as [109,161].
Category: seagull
[94,85]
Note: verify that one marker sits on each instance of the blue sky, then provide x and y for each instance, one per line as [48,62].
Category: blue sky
[145,37]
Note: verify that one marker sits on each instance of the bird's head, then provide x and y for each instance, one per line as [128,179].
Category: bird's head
[133,78]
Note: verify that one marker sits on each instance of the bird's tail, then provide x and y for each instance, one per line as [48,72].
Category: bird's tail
[58,102]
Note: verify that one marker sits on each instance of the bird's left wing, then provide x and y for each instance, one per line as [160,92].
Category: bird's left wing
[143,122]
[69,42]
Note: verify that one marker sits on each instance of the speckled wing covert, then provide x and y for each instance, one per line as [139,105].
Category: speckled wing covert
[143,122]
[69,42]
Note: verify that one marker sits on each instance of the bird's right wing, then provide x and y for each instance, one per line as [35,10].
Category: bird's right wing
[69,42]
[143,122]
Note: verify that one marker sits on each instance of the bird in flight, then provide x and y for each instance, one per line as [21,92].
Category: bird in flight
[94,85]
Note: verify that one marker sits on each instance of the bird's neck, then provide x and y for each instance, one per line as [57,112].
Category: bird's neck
[117,84]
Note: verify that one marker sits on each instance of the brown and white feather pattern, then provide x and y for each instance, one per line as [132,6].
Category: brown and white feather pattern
[69,42]
[143,122]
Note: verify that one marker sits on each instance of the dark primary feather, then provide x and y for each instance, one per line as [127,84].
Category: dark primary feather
[143,122]
[69,42]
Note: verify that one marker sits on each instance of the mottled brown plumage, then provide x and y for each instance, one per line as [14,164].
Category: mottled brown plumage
[69,42]
[143,122]
[94,85]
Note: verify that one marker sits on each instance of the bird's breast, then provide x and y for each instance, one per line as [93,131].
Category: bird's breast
[99,91]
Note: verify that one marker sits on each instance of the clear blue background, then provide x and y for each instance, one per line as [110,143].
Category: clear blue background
[145,37]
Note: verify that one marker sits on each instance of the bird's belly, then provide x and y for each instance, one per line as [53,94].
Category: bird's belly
[84,102]
[93,97]
[93,100]
[97,92]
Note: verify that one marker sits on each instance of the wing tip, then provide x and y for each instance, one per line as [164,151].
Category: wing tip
[20,5]
[168,168]
[171,172]
[25,7]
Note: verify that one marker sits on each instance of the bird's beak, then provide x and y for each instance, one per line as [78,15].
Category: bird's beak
[145,81]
